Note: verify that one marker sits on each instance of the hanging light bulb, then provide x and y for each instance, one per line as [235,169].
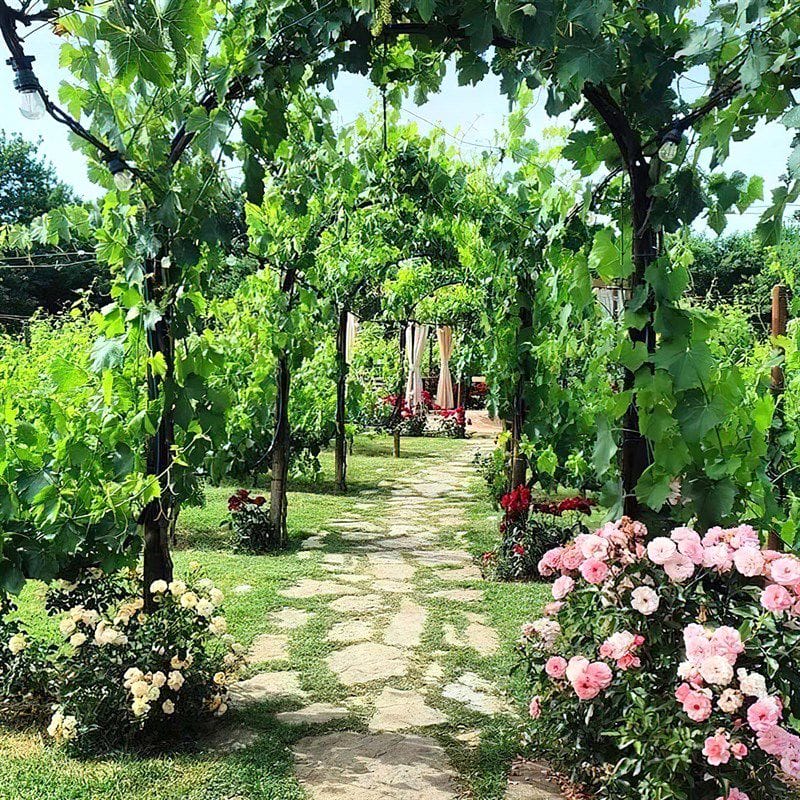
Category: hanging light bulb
[123,177]
[31,104]
[668,151]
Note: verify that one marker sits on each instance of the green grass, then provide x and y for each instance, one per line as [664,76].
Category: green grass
[30,769]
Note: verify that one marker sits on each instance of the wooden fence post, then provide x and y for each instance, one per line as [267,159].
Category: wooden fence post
[780,316]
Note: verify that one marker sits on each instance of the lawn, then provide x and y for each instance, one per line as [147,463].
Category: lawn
[30,769]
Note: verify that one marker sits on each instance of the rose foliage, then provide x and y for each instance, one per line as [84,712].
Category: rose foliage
[668,665]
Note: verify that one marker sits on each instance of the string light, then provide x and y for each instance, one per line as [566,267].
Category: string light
[123,177]
[31,104]
[668,150]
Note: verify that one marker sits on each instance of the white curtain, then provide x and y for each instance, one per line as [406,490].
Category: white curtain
[444,391]
[416,338]
[350,338]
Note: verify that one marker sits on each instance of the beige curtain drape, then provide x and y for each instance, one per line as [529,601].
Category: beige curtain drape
[444,391]
[416,338]
[350,338]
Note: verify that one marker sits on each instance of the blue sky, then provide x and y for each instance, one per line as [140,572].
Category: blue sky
[469,114]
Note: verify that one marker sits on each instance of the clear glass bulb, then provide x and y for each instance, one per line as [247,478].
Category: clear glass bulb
[31,105]
[123,180]
[668,151]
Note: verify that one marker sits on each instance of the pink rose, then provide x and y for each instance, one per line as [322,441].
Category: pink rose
[660,550]
[734,794]
[594,571]
[679,568]
[592,546]
[698,649]
[697,706]
[551,609]
[739,750]
[585,688]
[749,561]
[576,667]
[785,570]
[535,708]
[763,714]
[562,587]
[682,692]
[556,667]
[719,557]
[717,750]
[629,661]
[599,674]
[776,598]
[571,558]
[774,741]
[727,642]
[694,551]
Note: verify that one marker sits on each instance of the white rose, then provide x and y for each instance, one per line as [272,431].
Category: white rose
[158,679]
[730,701]
[752,684]
[188,600]
[716,670]
[216,597]
[205,608]
[140,706]
[158,587]
[645,600]
[218,625]
[140,688]
[175,681]
[131,675]
[177,588]
[77,639]
[67,626]
[205,584]
[17,643]
[168,707]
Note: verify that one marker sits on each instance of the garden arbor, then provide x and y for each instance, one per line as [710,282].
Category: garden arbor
[615,64]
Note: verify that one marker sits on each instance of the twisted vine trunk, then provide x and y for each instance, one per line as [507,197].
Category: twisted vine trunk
[341,402]
[158,515]
[519,461]
[646,247]
[278,505]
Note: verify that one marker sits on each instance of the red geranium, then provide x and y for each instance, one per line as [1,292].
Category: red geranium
[516,502]
[582,504]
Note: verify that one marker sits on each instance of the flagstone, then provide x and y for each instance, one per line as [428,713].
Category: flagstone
[290,618]
[398,710]
[385,766]
[358,604]
[356,630]
[310,587]
[268,647]
[315,714]
[406,627]
[367,662]
[266,686]
[476,693]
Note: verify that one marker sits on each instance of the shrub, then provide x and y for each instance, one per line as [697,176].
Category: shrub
[667,669]
[131,676]
[529,530]
[494,469]
[253,531]
[92,589]
[26,669]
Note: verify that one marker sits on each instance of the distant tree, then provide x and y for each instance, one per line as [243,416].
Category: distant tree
[29,185]
[740,268]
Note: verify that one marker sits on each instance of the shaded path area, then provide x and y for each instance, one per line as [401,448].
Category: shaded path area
[390,651]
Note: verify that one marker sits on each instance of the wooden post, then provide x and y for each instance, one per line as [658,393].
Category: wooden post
[397,443]
[780,315]
[341,402]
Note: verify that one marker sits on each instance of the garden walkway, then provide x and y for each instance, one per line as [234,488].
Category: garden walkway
[400,594]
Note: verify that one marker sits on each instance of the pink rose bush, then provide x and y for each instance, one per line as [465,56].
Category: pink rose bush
[667,664]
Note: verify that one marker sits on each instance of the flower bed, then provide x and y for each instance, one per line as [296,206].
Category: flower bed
[127,677]
[668,668]
[529,529]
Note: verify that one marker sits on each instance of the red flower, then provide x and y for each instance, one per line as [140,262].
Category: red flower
[259,500]
[518,549]
[243,493]
[234,502]
[581,504]
[517,502]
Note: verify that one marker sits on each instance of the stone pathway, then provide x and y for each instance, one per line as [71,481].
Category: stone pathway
[397,595]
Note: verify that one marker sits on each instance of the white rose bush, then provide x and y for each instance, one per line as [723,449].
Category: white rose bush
[121,676]
[668,664]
